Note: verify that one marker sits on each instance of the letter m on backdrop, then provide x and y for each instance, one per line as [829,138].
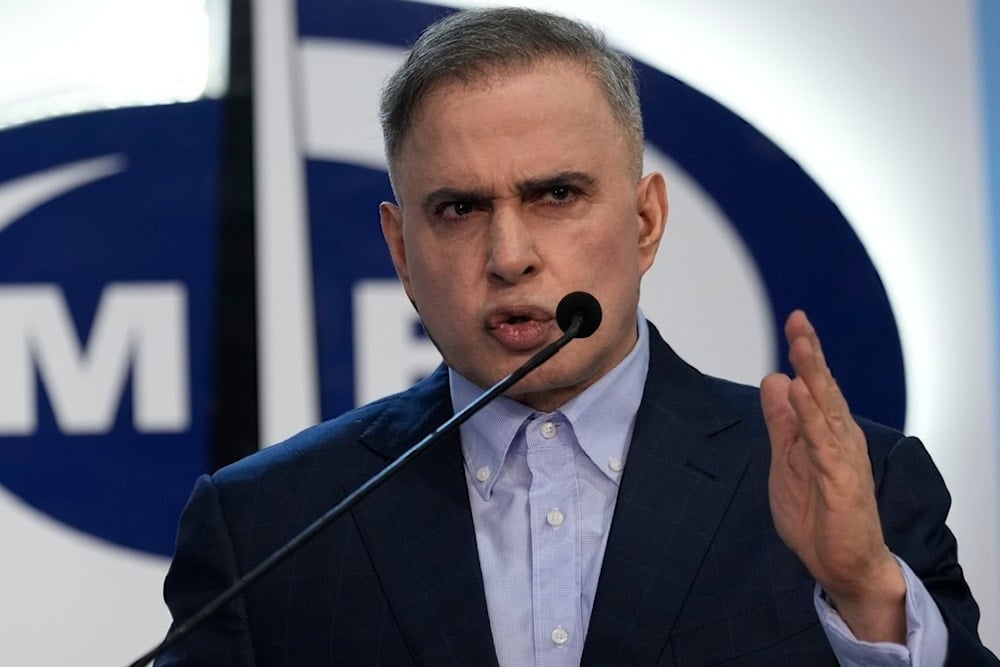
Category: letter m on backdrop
[140,327]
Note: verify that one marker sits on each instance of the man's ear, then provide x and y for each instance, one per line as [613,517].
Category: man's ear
[651,210]
[391,218]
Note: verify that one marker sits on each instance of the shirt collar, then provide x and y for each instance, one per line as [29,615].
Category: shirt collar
[602,417]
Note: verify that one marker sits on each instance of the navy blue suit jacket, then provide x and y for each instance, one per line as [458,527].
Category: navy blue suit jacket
[694,572]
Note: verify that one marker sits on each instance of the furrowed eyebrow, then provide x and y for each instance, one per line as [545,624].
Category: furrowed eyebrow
[450,194]
[525,189]
[533,186]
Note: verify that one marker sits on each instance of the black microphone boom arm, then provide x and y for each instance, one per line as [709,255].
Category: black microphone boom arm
[583,314]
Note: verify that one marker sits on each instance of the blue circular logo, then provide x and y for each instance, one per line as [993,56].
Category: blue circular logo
[107,283]
[805,251]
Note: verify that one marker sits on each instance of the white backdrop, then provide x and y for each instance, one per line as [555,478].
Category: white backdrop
[878,101]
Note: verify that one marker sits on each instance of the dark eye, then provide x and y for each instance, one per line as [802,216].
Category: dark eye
[456,210]
[462,208]
[560,193]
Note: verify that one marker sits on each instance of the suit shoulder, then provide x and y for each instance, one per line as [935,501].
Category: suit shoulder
[334,445]
[884,442]
[745,400]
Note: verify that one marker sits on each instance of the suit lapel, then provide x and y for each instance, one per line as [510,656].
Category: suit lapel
[419,533]
[681,474]
[682,471]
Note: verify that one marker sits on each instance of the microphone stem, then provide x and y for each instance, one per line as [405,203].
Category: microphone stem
[349,501]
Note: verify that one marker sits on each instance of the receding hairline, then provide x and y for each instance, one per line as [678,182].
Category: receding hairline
[485,78]
[508,41]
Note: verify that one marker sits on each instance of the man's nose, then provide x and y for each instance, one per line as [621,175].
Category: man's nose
[511,254]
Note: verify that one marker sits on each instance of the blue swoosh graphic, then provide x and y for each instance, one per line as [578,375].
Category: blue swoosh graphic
[25,193]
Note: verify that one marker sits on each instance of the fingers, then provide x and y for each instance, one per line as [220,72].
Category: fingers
[811,406]
[822,439]
[819,397]
[774,394]
[779,416]
[798,326]
[806,354]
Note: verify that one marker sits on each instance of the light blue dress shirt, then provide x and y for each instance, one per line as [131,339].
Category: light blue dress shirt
[542,488]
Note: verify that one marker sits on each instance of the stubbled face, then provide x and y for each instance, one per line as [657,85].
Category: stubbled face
[512,193]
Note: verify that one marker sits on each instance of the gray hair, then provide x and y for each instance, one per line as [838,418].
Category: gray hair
[471,45]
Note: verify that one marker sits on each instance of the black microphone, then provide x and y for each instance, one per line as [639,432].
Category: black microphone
[584,305]
[578,315]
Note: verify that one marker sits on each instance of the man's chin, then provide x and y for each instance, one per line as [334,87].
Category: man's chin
[550,384]
[543,393]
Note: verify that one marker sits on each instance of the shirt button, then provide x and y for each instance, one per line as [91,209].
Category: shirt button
[548,430]
[560,636]
[554,517]
[483,474]
[615,464]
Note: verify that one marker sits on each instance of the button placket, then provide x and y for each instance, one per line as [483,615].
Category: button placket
[554,538]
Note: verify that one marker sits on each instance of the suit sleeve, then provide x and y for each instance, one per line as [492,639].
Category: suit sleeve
[204,565]
[913,505]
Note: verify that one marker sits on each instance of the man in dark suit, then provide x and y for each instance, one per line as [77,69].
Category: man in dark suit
[616,506]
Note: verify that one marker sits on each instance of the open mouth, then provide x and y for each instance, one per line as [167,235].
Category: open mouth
[517,315]
[520,328]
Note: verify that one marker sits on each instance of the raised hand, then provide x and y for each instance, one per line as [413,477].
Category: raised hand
[822,493]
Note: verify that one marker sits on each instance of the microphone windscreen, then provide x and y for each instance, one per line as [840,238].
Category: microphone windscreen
[586,305]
